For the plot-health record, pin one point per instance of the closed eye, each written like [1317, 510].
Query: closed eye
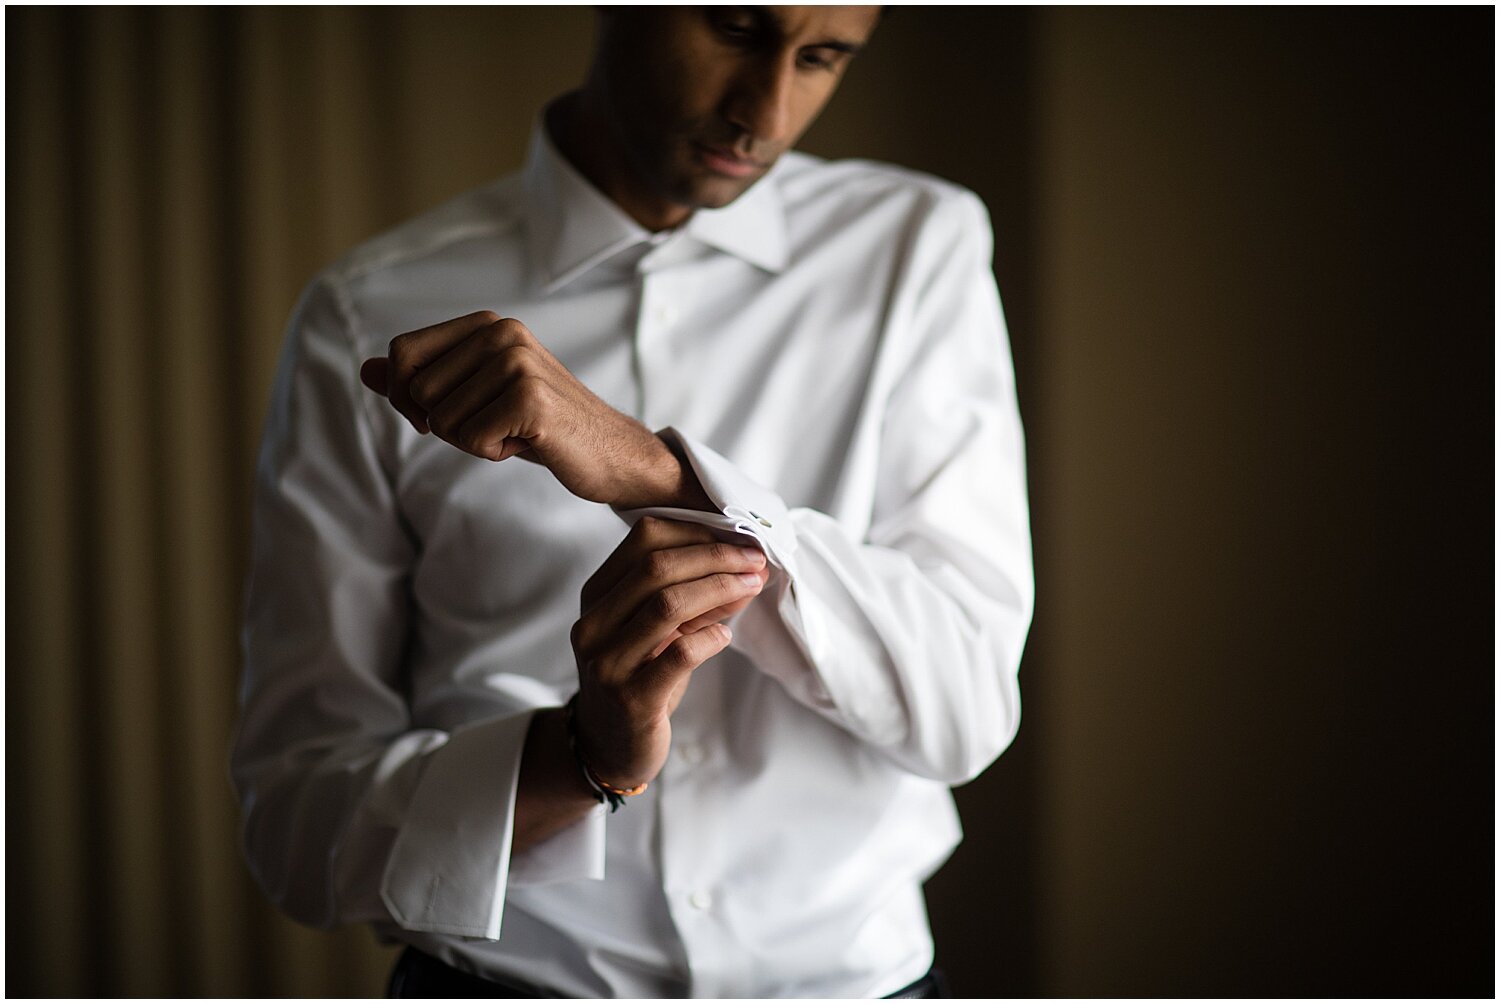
[735, 24]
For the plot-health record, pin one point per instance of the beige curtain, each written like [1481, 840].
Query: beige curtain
[174, 176]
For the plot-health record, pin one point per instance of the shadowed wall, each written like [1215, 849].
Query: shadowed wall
[1247, 258]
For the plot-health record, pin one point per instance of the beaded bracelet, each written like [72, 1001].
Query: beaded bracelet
[603, 791]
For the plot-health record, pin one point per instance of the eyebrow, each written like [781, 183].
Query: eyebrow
[771, 19]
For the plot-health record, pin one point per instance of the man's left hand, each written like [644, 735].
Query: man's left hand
[486, 385]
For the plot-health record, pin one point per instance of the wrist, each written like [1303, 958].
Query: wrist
[666, 479]
[602, 790]
[681, 482]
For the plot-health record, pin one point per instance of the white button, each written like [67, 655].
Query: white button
[664, 314]
[690, 753]
[700, 900]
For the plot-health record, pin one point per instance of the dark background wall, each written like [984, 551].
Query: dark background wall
[1248, 261]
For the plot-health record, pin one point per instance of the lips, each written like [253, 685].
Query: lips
[725, 162]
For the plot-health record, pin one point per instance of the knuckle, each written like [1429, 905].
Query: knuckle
[678, 654]
[667, 604]
[692, 648]
[448, 425]
[531, 392]
[473, 441]
[650, 528]
[399, 350]
[731, 585]
[657, 566]
[725, 555]
[486, 317]
[518, 332]
[515, 359]
[421, 390]
[495, 336]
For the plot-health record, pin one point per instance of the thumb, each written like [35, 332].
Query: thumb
[374, 374]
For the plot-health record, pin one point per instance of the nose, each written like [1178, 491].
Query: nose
[760, 101]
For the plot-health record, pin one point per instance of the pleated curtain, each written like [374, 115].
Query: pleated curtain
[173, 177]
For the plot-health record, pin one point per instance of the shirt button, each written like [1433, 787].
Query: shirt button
[664, 314]
[691, 754]
[700, 900]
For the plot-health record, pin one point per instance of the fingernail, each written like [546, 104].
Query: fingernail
[754, 555]
[750, 580]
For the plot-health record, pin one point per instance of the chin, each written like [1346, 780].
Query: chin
[715, 192]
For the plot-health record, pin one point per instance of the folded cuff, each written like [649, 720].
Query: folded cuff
[451, 862]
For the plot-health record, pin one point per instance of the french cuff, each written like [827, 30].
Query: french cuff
[451, 863]
[774, 635]
[748, 507]
[748, 513]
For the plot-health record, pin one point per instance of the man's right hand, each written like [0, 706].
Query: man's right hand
[651, 615]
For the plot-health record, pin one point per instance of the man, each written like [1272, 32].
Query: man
[460, 662]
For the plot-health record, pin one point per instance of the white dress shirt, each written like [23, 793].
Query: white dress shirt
[831, 352]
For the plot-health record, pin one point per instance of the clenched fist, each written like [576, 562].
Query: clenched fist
[486, 385]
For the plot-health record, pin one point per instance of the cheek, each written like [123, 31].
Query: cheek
[664, 101]
[810, 104]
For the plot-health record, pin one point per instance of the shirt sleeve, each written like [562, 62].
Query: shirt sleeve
[908, 634]
[352, 813]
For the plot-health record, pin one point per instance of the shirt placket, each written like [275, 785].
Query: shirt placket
[653, 346]
[694, 799]
[692, 879]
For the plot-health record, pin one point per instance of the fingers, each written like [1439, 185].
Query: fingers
[665, 677]
[502, 351]
[648, 534]
[728, 610]
[650, 618]
[622, 728]
[410, 352]
[476, 401]
[658, 571]
[504, 426]
[415, 351]
[616, 653]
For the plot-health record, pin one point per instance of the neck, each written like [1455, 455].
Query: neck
[580, 129]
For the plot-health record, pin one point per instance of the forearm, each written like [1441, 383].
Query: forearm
[539, 411]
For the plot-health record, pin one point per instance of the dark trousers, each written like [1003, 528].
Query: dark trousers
[418, 974]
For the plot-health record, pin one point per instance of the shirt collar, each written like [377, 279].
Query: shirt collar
[575, 227]
[752, 227]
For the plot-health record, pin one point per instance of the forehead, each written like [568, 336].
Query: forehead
[807, 25]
